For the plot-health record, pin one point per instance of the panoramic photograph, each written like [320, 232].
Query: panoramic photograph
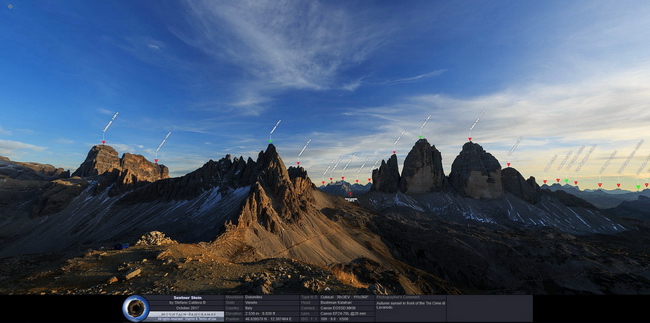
[359, 161]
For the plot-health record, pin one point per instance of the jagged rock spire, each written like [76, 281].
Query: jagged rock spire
[386, 178]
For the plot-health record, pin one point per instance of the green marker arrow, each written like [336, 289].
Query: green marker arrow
[270, 141]
[638, 187]
[566, 180]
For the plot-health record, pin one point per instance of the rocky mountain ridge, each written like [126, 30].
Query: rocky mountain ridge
[30, 171]
[418, 232]
[247, 211]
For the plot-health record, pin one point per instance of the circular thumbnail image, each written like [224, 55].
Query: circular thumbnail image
[135, 308]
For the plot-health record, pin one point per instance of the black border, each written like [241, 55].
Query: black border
[108, 308]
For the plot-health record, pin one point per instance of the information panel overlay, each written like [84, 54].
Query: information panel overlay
[328, 308]
[190, 308]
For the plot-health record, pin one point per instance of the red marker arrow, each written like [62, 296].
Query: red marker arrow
[103, 142]
[330, 178]
[350, 193]
[646, 184]
[342, 178]
[323, 182]
[369, 181]
[508, 164]
[394, 152]
[575, 182]
[298, 163]
[600, 184]
[618, 184]
[470, 138]
[357, 181]
[557, 179]
[156, 160]
[544, 181]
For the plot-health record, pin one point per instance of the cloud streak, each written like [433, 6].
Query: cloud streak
[412, 79]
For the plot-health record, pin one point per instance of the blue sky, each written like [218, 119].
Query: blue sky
[349, 75]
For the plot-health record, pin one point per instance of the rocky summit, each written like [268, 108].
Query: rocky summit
[422, 172]
[476, 173]
[252, 225]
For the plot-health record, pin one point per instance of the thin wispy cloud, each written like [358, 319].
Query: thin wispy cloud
[283, 44]
[412, 79]
[355, 84]
[352, 85]
[5, 132]
[64, 141]
[106, 111]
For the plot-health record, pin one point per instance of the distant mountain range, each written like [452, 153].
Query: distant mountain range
[603, 199]
[343, 188]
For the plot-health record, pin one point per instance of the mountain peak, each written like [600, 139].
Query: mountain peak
[422, 171]
[476, 173]
[127, 172]
[100, 159]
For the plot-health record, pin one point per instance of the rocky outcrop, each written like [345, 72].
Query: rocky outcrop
[135, 171]
[422, 171]
[123, 174]
[154, 238]
[386, 178]
[476, 173]
[514, 183]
